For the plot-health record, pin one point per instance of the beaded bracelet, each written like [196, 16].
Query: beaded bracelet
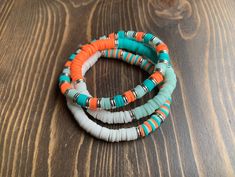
[137, 113]
[123, 134]
[116, 117]
[119, 100]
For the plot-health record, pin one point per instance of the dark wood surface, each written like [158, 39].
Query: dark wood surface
[38, 135]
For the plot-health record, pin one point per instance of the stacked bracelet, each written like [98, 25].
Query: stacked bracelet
[72, 84]
[124, 134]
[122, 99]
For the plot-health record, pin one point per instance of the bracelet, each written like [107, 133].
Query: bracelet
[119, 100]
[137, 113]
[111, 117]
[159, 105]
[124, 134]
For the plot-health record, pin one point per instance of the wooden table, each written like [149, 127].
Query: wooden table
[38, 134]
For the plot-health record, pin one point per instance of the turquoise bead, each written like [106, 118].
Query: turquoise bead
[136, 47]
[136, 59]
[148, 37]
[164, 56]
[157, 119]
[164, 111]
[149, 84]
[131, 58]
[63, 78]
[118, 50]
[152, 124]
[72, 56]
[121, 34]
[146, 131]
[119, 101]
[81, 100]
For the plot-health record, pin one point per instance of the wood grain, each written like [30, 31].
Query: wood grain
[38, 135]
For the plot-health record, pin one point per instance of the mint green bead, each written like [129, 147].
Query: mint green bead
[149, 109]
[156, 41]
[66, 71]
[153, 104]
[103, 37]
[159, 100]
[72, 93]
[162, 66]
[130, 34]
[105, 103]
[139, 91]
[138, 112]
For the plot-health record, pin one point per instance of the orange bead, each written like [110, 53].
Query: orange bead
[157, 76]
[68, 63]
[93, 103]
[161, 47]
[139, 36]
[65, 86]
[130, 96]
[112, 36]
[148, 125]
[141, 131]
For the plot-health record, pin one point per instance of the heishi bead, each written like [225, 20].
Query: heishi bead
[81, 100]
[149, 84]
[156, 41]
[71, 93]
[64, 78]
[72, 56]
[140, 92]
[164, 56]
[119, 101]
[66, 71]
